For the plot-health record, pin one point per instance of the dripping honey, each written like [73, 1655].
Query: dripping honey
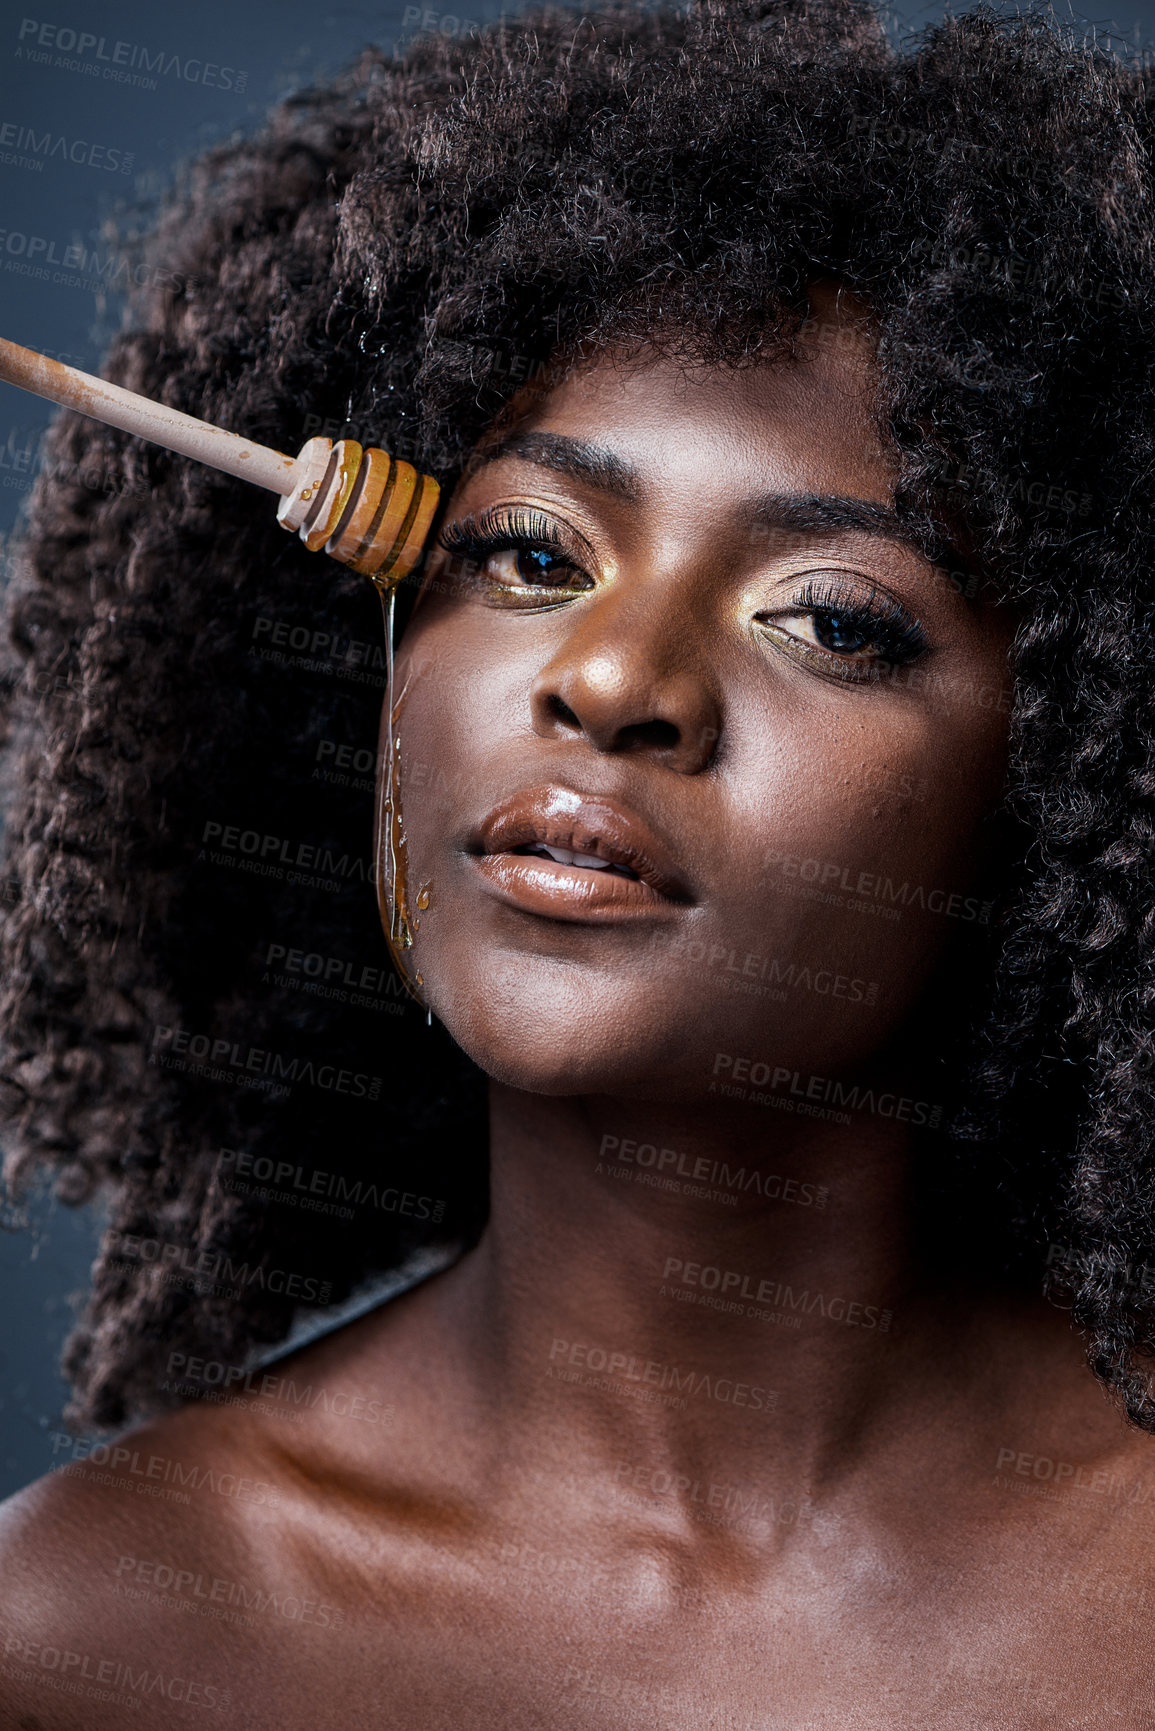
[393, 874]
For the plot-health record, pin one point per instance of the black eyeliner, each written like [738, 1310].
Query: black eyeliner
[877, 614]
[502, 529]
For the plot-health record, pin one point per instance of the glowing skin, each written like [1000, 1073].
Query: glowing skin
[684, 685]
[620, 1487]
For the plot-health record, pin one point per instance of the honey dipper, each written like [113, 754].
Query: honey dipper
[364, 507]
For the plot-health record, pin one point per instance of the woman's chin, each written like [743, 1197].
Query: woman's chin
[559, 1072]
[610, 1034]
[543, 1058]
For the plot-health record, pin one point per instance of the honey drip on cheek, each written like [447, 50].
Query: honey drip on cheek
[392, 861]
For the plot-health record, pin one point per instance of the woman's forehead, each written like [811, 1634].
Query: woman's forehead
[806, 419]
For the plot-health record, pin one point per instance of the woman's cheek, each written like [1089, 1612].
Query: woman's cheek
[441, 793]
[849, 879]
[837, 870]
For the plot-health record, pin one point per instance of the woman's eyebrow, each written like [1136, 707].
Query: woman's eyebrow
[812, 513]
[804, 513]
[577, 457]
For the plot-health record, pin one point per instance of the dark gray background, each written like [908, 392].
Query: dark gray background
[281, 46]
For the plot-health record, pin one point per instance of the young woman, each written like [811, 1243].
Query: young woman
[770, 734]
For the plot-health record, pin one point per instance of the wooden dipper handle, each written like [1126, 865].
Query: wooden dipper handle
[364, 508]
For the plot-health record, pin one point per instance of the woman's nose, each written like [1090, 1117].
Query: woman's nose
[628, 679]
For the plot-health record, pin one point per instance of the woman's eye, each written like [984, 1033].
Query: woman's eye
[538, 567]
[514, 558]
[852, 642]
[841, 633]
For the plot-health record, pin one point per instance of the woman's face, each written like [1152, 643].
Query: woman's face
[674, 633]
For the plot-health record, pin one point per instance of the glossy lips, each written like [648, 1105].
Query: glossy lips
[555, 852]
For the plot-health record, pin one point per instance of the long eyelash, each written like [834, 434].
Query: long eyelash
[897, 633]
[497, 531]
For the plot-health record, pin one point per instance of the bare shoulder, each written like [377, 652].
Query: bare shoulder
[226, 1479]
[224, 1556]
[125, 1571]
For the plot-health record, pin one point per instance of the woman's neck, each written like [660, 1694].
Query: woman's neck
[672, 1284]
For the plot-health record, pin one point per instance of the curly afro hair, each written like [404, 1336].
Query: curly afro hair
[197, 1013]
